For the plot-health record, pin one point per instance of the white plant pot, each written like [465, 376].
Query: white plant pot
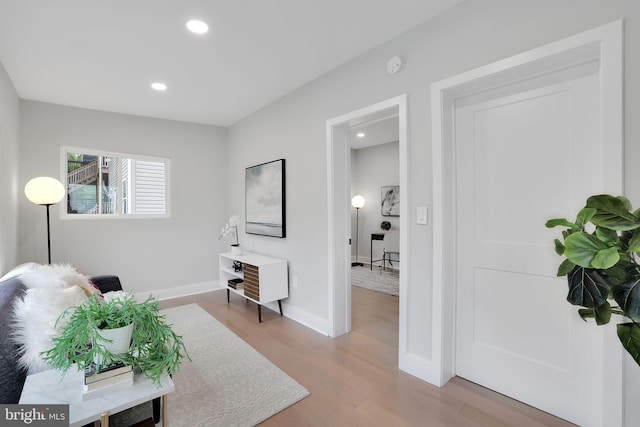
[236, 250]
[120, 340]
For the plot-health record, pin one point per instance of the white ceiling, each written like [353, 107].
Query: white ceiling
[104, 54]
[377, 130]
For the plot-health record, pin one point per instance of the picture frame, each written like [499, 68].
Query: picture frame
[390, 200]
[265, 212]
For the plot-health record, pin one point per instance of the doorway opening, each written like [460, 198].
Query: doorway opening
[375, 227]
[339, 198]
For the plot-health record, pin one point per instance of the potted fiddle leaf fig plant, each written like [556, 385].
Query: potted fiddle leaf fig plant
[151, 346]
[602, 264]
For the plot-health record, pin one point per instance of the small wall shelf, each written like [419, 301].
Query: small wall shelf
[262, 279]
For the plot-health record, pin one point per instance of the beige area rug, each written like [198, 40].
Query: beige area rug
[227, 383]
[386, 281]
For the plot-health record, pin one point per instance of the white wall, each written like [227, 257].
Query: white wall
[473, 34]
[373, 168]
[152, 254]
[147, 254]
[9, 120]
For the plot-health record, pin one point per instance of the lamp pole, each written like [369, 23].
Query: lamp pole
[357, 263]
[357, 202]
[48, 234]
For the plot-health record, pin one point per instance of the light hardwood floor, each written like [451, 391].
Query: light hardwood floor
[354, 379]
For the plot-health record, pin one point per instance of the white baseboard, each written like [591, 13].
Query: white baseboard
[180, 291]
[305, 318]
[422, 368]
[300, 316]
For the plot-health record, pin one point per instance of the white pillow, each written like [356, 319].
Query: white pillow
[50, 290]
[35, 316]
[57, 276]
[18, 270]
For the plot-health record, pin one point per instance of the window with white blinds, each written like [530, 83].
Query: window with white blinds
[103, 184]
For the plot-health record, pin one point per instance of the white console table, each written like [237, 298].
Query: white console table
[265, 279]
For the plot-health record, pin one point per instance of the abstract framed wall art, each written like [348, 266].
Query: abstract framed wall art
[390, 200]
[265, 199]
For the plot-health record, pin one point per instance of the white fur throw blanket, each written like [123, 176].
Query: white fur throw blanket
[51, 290]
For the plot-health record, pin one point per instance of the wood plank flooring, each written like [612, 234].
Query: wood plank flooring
[354, 379]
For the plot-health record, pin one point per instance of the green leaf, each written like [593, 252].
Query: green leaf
[603, 313]
[581, 248]
[606, 258]
[629, 334]
[585, 215]
[565, 267]
[634, 242]
[588, 288]
[627, 295]
[612, 212]
[560, 221]
[587, 313]
[617, 274]
[559, 247]
[607, 236]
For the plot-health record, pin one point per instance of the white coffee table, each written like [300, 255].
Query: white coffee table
[48, 388]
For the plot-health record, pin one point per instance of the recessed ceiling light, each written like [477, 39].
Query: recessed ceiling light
[159, 86]
[360, 135]
[197, 26]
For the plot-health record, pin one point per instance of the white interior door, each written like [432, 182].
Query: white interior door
[525, 153]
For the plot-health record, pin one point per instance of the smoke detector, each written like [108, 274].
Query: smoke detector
[394, 65]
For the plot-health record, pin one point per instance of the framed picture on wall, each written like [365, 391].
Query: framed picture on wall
[390, 200]
[265, 199]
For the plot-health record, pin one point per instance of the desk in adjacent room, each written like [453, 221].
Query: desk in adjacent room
[374, 236]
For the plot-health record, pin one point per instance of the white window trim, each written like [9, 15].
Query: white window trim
[63, 178]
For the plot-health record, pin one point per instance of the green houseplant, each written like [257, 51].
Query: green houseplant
[155, 348]
[602, 250]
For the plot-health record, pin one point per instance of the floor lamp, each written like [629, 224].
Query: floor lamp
[45, 191]
[357, 202]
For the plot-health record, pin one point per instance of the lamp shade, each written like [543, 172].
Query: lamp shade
[44, 190]
[357, 201]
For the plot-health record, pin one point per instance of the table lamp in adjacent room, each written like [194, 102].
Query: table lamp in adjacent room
[46, 191]
[357, 202]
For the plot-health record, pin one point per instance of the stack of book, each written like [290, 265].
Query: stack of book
[236, 283]
[99, 380]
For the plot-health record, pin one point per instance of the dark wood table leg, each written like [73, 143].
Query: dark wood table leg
[280, 305]
[227, 294]
[156, 410]
[259, 313]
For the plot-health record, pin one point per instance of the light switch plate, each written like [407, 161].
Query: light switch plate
[421, 215]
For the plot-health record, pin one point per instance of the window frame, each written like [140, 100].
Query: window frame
[64, 150]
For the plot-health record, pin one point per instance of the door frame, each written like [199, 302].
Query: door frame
[603, 44]
[339, 216]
